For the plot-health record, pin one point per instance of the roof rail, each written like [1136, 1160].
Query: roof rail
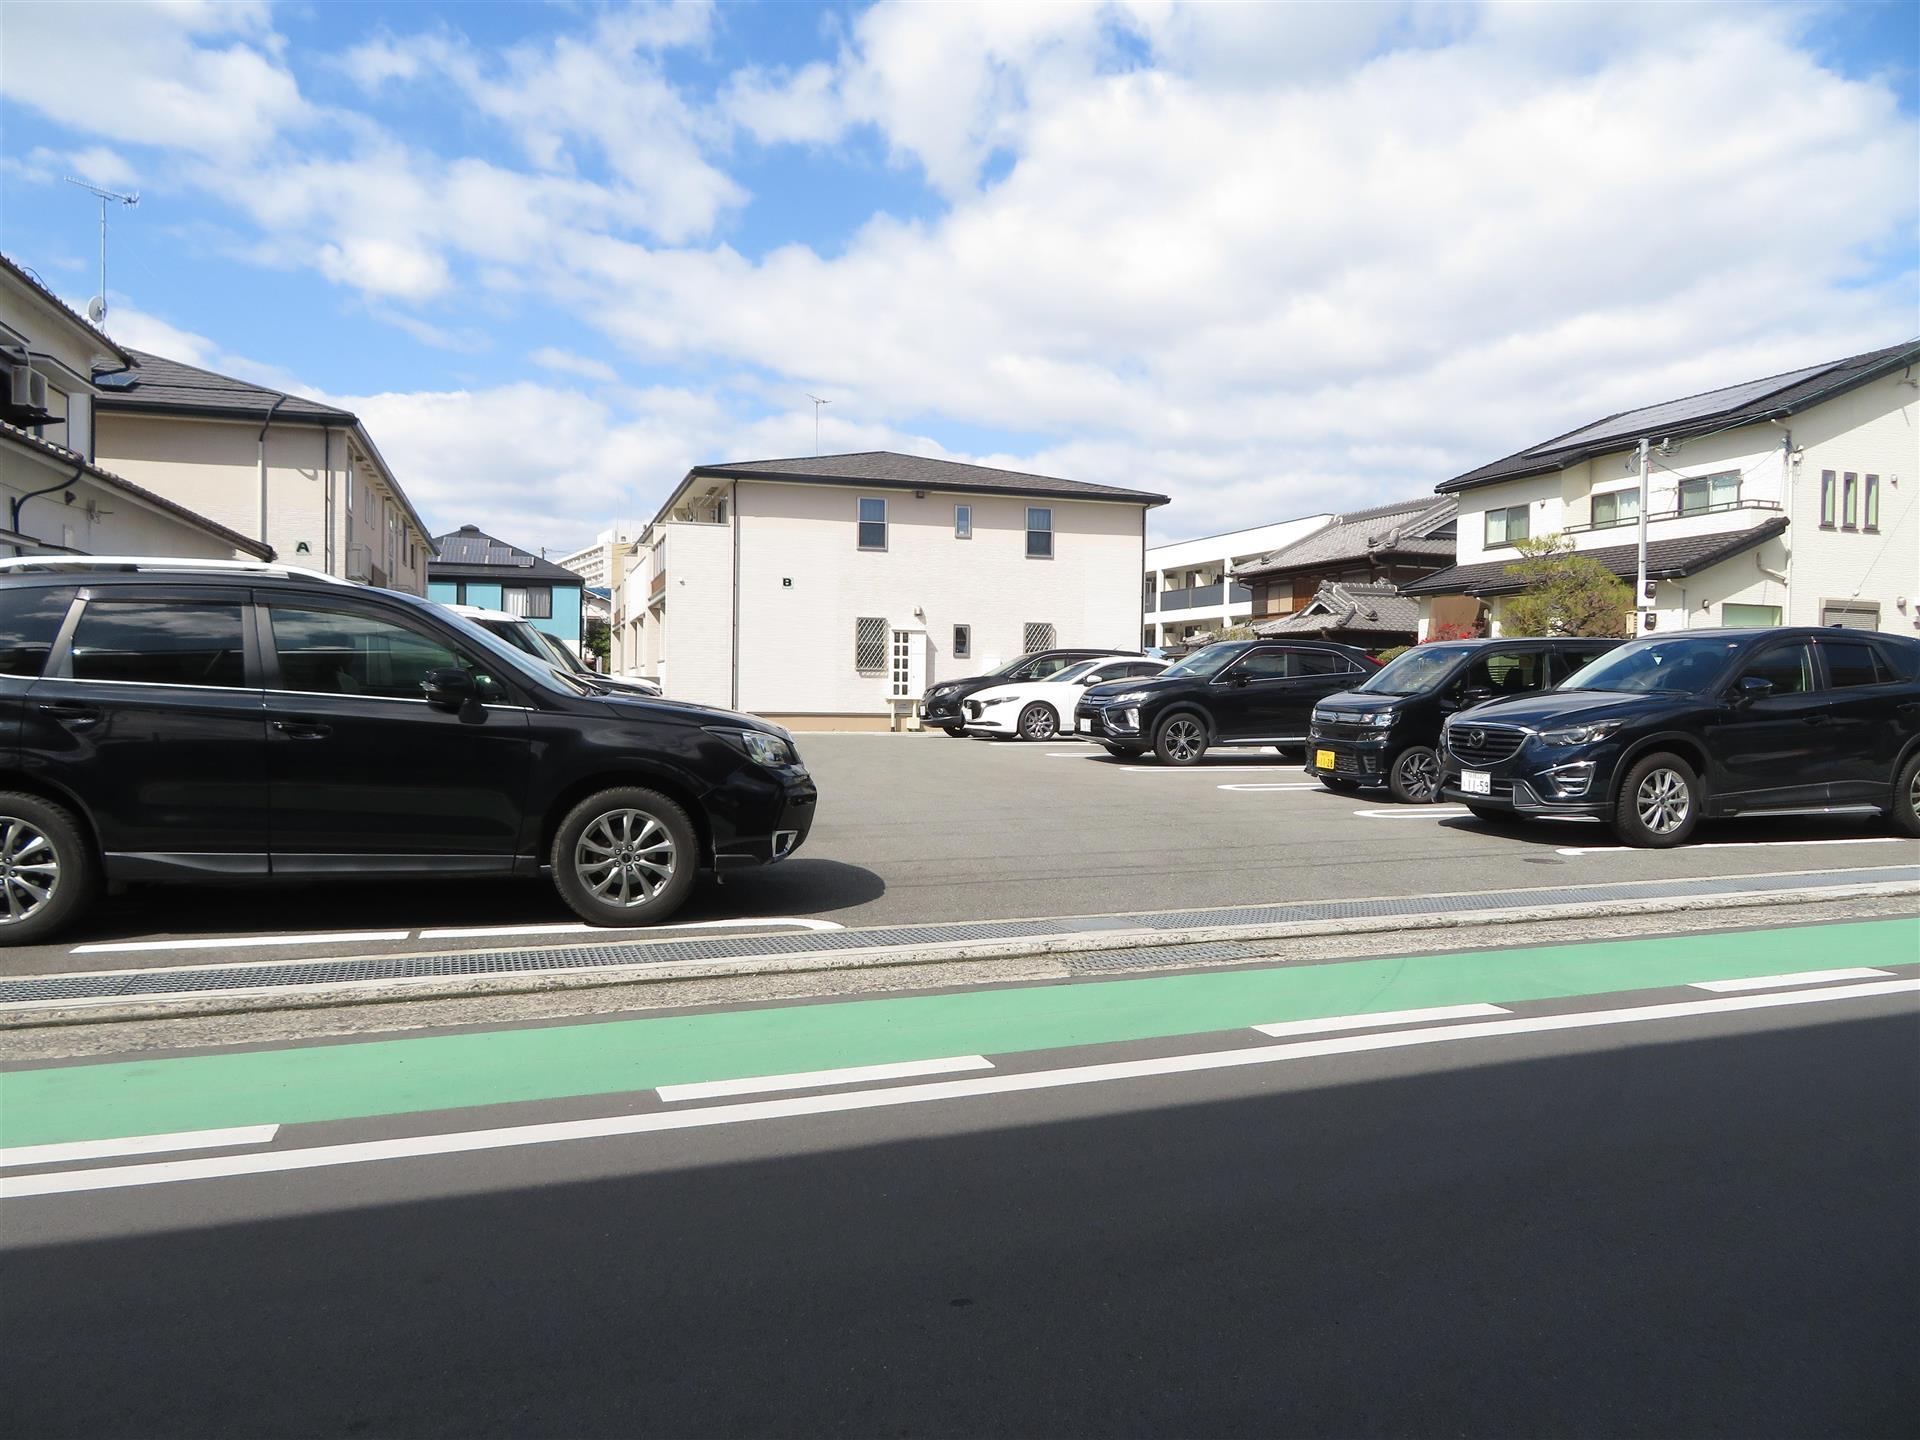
[79, 564]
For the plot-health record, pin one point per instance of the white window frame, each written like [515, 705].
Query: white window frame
[1680, 492]
[860, 522]
[1033, 530]
[963, 522]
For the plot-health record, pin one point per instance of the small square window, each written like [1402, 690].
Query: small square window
[873, 523]
[962, 642]
[1506, 526]
[963, 522]
[870, 644]
[1039, 532]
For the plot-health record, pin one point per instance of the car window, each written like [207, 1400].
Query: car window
[1505, 672]
[1109, 672]
[1044, 669]
[150, 642]
[342, 652]
[1789, 667]
[30, 617]
[1265, 665]
[1319, 662]
[1852, 662]
[1151, 667]
[1565, 662]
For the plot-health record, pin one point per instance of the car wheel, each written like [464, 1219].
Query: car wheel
[1339, 786]
[1659, 804]
[1038, 722]
[958, 732]
[1123, 752]
[625, 857]
[1414, 776]
[48, 870]
[1180, 740]
[1906, 796]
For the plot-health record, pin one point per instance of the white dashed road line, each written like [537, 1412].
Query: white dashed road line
[239, 942]
[820, 1079]
[1799, 977]
[71, 1150]
[1417, 812]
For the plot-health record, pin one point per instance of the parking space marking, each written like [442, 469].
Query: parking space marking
[820, 1079]
[1748, 844]
[1418, 812]
[238, 942]
[472, 932]
[1382, 1018]
[70, 1150]
[1286, 785]
[1799, 977]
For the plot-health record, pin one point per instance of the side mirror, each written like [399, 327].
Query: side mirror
[1751, 688]
[449, 688]
[1238, 680]
[1475, 696]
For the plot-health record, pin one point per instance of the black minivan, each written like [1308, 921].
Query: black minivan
[1387, 731]
[174, 720]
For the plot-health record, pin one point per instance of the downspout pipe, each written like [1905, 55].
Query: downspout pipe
[1793, 536]
[278, 401]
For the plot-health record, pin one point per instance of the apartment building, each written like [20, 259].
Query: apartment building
[1190, 588]
[830, 591]
[1785, 500]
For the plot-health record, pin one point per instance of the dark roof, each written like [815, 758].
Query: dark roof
[888, 470]
[33, 282]
[28, 440]
[469, 553]
[1350, 609]
[159, 384]
[1702, 414]
[1666, 560]
[1416, 529]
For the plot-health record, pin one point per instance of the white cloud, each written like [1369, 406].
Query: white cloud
[565, 362]
[104, 167]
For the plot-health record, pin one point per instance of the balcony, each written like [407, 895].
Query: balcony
[1654, 517]
[1195, 597]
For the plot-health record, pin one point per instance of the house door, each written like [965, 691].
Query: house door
[907, 664]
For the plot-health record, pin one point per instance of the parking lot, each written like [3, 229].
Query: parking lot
[917, 829]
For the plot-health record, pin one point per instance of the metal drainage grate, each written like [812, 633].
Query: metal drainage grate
[1153, 955]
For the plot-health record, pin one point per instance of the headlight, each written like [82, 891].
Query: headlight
[999, 700]
[1381, 719]
[1321, 717]
[760, 747]
[1580, 734]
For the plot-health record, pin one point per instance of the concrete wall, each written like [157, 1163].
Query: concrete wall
[695, 655]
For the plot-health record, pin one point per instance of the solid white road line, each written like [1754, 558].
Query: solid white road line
[136, 1145]
[1799, 977]
[469, 932]
[818, 1079]
[1416, 812]
[794, 1106]
[1288, 785]
[1750, 845]
[1384, 1017]
[239, 942]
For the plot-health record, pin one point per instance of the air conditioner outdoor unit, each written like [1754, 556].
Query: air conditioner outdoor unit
[26, 388]
[360, 563]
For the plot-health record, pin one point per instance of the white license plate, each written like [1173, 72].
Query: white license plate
[1476, 782]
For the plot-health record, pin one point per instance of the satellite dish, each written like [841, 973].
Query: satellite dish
[97, 309]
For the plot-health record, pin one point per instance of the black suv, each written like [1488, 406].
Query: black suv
[1657, 734]
[940, 707]
[1237, 692]
[174, 721]
[1387, 731]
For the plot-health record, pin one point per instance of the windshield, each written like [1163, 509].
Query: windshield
[557, 652]
[1203, 663]
[532, 666]
[1417, 671]
[1670, 667]
[1015, 667]
[1072, 672]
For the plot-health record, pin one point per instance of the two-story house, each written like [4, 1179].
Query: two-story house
[1191, 587]
[830, 591]
[473, 568]
[1785, 500]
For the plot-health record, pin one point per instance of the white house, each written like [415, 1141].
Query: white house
[1190, 589]
[830, 591]
[1787, 500]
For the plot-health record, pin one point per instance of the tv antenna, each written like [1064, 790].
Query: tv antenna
[817, 403]
[97, 307]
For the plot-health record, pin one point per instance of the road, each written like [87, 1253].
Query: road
[918, 829]
[1662, 1186]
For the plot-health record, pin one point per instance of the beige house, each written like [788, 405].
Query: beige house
[830, 591]
[1782, 501]
[58, 499]
[303, 477]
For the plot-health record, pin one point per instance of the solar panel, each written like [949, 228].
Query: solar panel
[1651, 420]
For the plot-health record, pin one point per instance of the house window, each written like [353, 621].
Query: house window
[1038, 636]
[1827, 480]
[873, 523]
[870, 645]
[1039, 533]
[963, 522]
[349, 492]
[1853, 614]
[531, 602]
[962, 642]
[1746, 616]
[1616, 507]
[1849, 501]
[1709, 492]
[1871, 520]
[1506, 526]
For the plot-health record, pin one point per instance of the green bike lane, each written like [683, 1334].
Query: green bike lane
[331, 1081]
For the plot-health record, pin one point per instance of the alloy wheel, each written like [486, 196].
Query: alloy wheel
[625, 857]
[1038, 723]
[29, 869]
[1913, 792]
[1420, 774]
[1663, 801]
[1183, 739]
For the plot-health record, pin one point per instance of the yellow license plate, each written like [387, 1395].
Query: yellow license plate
[1323, 760]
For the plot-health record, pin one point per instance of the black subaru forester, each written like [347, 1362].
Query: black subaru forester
[171, 720]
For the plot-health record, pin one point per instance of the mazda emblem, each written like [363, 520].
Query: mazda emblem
[1476, 737]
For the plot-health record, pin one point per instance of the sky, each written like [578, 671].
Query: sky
[1267, 260]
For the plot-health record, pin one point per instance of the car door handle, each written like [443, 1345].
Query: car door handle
[1818, 719]
[75, 715]
[303, 729]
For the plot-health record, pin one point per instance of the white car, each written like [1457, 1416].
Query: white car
[523, 635]
[1041, 709]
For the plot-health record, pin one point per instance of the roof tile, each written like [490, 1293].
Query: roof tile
[1666, 560]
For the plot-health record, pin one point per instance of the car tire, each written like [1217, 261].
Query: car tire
[1659, 803]
[593, 869]
[1414, 776]
[1180, 739]
[1905, 810]
[958, 732]
[36, 836]
[1124, 752]
[1038, 722]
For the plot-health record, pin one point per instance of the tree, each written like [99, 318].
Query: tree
[1566, 593]
[599, 638]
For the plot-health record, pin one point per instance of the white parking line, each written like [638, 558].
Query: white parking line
[1799, 977]
[1384, 1017]
[1747, 845]
[137, 1145]
[1276, 768]
[239, 942]
[470, 932]
[820, 1079]
[1416, 812]
[1288, 785]
[412, 1147]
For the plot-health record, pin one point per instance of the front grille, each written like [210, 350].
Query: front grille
[1338, 730]
[1481, 745]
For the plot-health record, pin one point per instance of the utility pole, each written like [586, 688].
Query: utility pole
[97, 311]
[817, 403]
[1642, 602]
